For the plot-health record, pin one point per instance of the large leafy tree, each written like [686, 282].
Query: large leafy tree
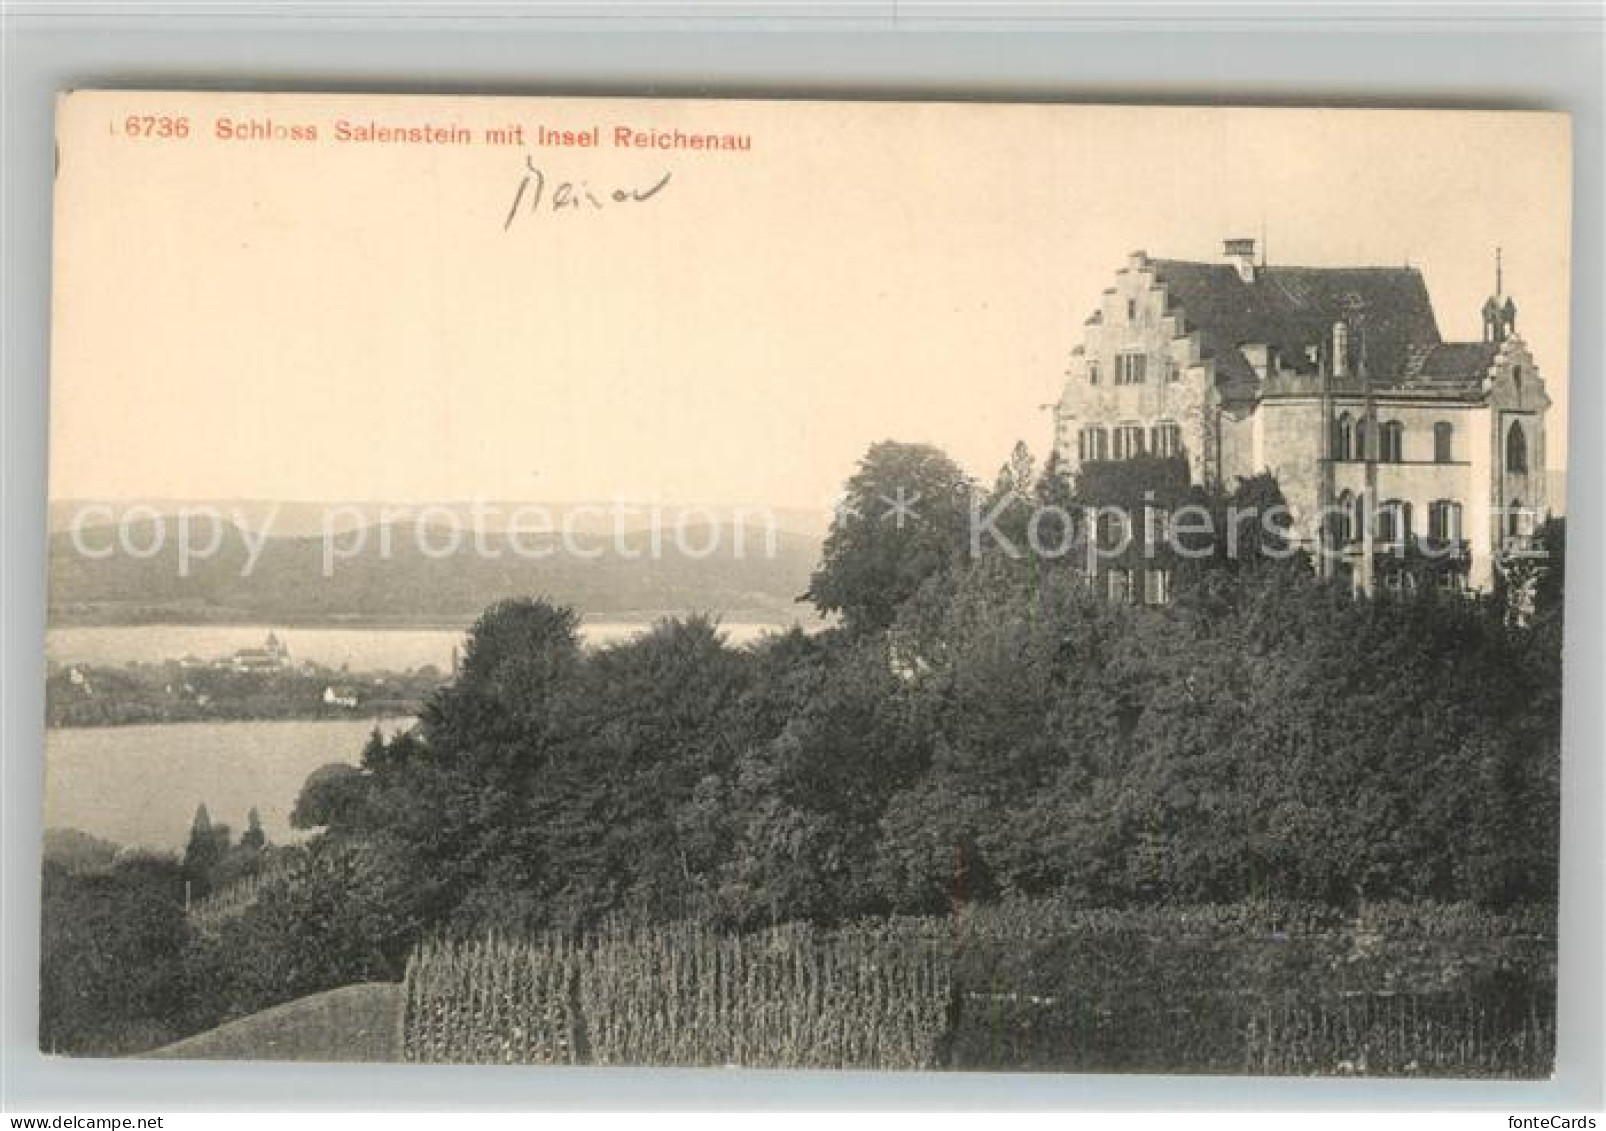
[660, 719]
[333, 796]
[905, 516]
[339, 912]
[1005, 668]
[807, 799]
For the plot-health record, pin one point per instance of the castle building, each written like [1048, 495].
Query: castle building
[273, 656]
[1384, 437]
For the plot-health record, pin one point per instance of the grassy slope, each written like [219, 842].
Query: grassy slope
[353, 1023]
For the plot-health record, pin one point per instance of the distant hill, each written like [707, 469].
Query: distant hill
[297, 519]
[397, 576]
[78, 851]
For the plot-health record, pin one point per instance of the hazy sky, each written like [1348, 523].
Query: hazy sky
[317, 320]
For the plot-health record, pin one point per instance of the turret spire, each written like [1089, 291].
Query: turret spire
[1499, 317]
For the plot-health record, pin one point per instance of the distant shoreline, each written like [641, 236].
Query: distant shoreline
[398, 721]
[57, 619]
[154, 672]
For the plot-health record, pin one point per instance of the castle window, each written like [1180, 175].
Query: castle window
[1092, 444]
[1166, 440]
[1131, 310]
[1516, 378]
[1516, 448]
[1338, 522]
[1158, 522]
[1119, 585]
[1130, 368]
[1443, 442]
[1111, 529]
[1363, 440]
[1392, 436]
[1444, 521]
[1093, 372]
[1156, 586]
[1129, 441]
[1343, 430]
[1394, 523]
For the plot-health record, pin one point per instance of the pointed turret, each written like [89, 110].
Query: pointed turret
[1499, 311]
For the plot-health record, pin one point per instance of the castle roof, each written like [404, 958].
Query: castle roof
[1457, 363]
[1293, 309]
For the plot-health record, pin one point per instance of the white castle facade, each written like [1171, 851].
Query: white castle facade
[1381, 434]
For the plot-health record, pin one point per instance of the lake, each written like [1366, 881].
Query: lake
[362, 649]
[139, 785]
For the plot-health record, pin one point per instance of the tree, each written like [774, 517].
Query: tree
[806, 800]
[208, 844]
[1008, 510]
[1018, 475]
[253, 838]
[201, 827]
[662, 711]
[332, 797]
[341, 912]
[905, 516]
[1552, 582]
[1534, 587]
[1258, 510]
[519, 665]
[1007, 684]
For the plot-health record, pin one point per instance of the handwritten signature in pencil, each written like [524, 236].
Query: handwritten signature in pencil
[537, 194]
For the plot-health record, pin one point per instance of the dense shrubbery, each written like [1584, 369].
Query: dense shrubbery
[127, 966]
[1265, 737]
[1253, 987]
[1258, 986]
[113, 976]
[1001, 729]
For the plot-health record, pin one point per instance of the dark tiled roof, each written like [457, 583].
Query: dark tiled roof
[1450, 362]
[1294, 308]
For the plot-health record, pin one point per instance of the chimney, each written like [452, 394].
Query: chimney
[1240, 253]
[1340, 350]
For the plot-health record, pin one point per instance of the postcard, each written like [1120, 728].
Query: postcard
[842, 585]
